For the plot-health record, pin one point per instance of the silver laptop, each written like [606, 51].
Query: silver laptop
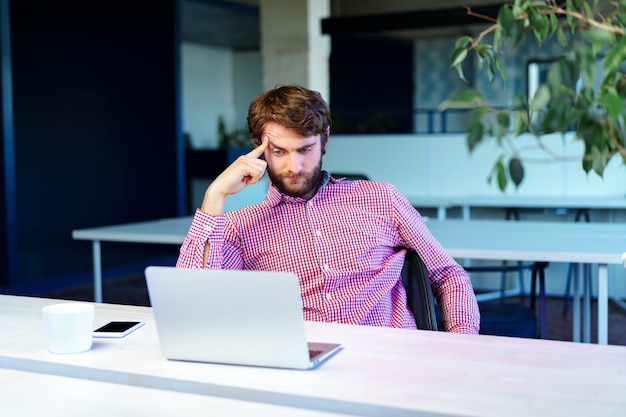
[233, 317]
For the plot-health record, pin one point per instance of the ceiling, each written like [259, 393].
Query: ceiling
[222, 23]
[235, 23]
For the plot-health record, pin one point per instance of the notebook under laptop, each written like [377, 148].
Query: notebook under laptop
[234, 317]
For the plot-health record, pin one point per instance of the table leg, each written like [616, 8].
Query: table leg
[603, 304]
[586, 304]
[97, 271]
[441, 213]
[465, 210]
[576, 304]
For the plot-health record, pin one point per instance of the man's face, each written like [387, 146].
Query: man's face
[294, 163]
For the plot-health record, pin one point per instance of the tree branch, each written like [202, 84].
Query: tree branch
[579, 16]
[485, 32]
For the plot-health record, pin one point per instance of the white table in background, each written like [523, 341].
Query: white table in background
[380, 371]
[538, 202]
[564, 204]
[594, 243]
[441, 204]
[164, 231]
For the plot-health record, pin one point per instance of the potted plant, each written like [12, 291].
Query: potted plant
[233, 139]
[578, 94]
[235, 143]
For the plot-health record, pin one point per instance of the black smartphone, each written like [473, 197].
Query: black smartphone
[117, 328]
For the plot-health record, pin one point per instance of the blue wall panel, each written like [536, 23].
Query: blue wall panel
[94, 89]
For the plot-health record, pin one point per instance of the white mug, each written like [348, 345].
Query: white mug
[68, 327]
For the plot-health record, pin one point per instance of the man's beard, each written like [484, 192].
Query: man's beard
[299, 189]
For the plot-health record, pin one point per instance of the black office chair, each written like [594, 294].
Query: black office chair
[498, 318]
[419, 294]
[349, 175]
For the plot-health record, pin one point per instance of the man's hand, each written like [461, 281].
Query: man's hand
[245, 170]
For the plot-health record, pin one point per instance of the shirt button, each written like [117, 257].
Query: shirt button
[318, 233]
[329, 296]
[325, 267]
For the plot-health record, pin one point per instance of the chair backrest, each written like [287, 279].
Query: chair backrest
[419, 294]
[349, 175]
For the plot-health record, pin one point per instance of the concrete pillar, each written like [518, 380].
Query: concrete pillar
[293, 49]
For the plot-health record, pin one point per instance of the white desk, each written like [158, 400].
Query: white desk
[380, 371]
[30, 394]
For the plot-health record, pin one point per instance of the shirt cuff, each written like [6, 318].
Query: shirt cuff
[205, 226]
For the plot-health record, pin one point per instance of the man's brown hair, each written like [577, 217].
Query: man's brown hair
[292, 107]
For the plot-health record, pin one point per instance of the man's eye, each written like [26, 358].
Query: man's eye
[305, 150]
[277, 152]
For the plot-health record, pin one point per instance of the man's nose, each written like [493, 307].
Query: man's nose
[295, 163]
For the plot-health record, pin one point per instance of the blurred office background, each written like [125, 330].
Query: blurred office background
[107, 107]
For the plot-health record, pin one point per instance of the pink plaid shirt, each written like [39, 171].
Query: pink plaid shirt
[343, 245]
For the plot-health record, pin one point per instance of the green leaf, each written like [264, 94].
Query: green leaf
[587, 163]
[491, 71]
[588, 129]
[615, 57]
[554, 23]
[599, 160]
[501, 174]
[563, 111]
[517, 33]
[497, 39]
[516, 171]
[539, 23]
[506, 20]
[560, 35]
[588, 69]
[459, 70]
[599, 36]
[621, 17]
[555, 77]
[462, 42]
[541, 98]
[458, 56]
[518, 11]
[521, 122]
[475, 135]
[504, 120]
[499, 68]
[588, 11]
[612, 102]
[495, 128]
[550, 121]
[570, 70]
[571, 20]
[483, 50]
[520, 102]
[520, 114]
[463, 99]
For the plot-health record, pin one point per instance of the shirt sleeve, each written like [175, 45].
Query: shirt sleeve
[205, 229]
[451, 284]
